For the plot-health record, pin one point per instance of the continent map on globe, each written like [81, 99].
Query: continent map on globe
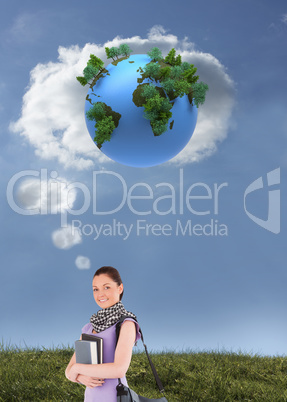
[141, 110]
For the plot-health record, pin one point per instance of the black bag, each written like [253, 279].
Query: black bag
[124, 393]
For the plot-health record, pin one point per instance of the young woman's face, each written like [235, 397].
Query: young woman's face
[106, 291]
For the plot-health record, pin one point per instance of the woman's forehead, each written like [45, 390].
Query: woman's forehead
[102, 279]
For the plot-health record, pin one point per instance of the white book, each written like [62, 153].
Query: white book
[100, 344]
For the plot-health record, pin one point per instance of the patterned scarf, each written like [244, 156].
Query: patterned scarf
[107, 317]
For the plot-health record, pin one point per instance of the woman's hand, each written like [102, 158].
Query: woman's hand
[90, 382]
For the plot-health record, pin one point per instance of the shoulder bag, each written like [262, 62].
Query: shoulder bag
[126, 394]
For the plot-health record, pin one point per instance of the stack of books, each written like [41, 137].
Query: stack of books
[89, 350]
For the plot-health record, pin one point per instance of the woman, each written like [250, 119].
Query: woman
[101, 379]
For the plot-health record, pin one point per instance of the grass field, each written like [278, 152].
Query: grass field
[38, 375]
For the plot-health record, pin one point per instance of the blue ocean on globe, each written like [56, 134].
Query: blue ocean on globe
[133, 142]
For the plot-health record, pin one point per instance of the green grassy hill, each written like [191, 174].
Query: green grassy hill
[38, 375]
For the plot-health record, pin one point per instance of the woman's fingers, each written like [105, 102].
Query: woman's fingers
[91, 382]
[95, 383]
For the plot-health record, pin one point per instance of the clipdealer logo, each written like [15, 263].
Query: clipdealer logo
[194, 201]
[272, 223]
[200, 199]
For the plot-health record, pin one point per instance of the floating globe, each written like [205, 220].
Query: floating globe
[133, 142]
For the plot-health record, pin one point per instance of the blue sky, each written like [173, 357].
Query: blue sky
[197, 292]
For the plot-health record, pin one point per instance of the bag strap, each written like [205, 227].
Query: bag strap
[157, 379]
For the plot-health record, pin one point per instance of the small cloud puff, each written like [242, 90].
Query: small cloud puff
[83, 262]
[284, 18]
[53, 120]
[66, 238]
[26, 28]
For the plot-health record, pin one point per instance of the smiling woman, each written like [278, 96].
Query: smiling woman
[101, 379]
[107, 287]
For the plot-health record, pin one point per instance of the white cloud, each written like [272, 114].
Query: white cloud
[66, 238]
[52, 195]
[83, 262]
[284, 18]
[53, 119]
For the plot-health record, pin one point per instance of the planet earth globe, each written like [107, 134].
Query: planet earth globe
[133, 142]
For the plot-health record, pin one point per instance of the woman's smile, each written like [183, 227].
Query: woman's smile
[103, 300]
